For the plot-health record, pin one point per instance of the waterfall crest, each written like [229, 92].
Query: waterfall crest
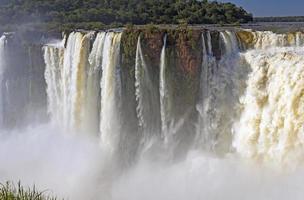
[267, 39]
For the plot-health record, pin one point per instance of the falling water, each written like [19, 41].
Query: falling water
[271, 125]
[248, 103]
[110, 92]
[230, 42]
[163, 91]
[203, 108]
[72, 76]
[73, 72]
[92, 86]
[148, 100]
[2, 68]
[53, 57]
[138, 74]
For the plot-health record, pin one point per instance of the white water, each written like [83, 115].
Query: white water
[163, 92]
[66, 77]
[138, 75]
[221, 84]
[73, 75]
[230, 42]
[92, 85]
[53, 58]
[204, 134]
[110, 91]
[2, 68]
[250, 107]
[147, 100]
[273, 106]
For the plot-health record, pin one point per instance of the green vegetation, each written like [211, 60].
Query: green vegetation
[9, 191]
[98, 14]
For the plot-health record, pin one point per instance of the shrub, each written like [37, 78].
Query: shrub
[9, 191]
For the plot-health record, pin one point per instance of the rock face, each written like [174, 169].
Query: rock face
[182, 76]
[130, 137]
[215, 44]
[181, 64]
[152, 45]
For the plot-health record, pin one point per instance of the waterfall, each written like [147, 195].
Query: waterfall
[53, 58]
[163, 91]
[110, 91]
[271, 124]
[242, 104]
[78, 77]
[299, 39]
[138, 75]
[204, 134]
[2, 68]
[92, 86]
[148, 99]
[221, 83]
[74, 78]
[73, 75]
[209, 43]
[154, 107]
[230, 42]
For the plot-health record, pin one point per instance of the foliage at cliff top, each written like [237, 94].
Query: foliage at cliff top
[96, 14]
[8, 191]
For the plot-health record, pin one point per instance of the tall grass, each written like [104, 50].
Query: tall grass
[9, 191]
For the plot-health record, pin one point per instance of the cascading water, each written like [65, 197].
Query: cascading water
[138, 86]
[110, 92]
[230, 42]
[2, 66]
[78, 77]
[222, 82]
[271, 124]
[92, 86]
[163, 92]
[147, 96]
[73, 75]
[53, 57]
[204, 125]
[74, 79]
[235, 92]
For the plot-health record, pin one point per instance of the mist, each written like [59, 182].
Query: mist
[73, 166]
[64, 164]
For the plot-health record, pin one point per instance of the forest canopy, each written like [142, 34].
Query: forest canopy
[95, 14]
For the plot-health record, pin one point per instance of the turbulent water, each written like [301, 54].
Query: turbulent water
[175, 122]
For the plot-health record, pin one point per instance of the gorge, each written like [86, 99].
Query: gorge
[193, 99]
